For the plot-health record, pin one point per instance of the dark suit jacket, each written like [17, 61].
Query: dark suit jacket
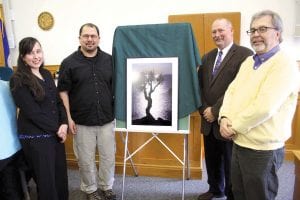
[213, 88]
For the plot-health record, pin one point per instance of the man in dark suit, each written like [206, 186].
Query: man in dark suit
[219, 67]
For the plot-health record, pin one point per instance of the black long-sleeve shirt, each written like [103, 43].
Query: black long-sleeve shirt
[39, 117]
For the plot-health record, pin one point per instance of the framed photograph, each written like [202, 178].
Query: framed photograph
[152, 94]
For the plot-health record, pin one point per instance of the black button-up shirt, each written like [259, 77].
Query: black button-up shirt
[89, 82]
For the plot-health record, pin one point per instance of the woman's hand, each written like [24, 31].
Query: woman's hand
[62, 132]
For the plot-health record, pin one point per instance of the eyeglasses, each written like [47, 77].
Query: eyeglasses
[261, 29]
[86, 36]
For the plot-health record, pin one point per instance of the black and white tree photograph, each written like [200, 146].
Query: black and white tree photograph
[151, 92]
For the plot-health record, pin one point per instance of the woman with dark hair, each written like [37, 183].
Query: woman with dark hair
[42, 121]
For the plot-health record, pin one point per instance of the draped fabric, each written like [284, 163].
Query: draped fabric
[153, 41]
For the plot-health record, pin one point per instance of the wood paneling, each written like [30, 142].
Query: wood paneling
[154, 159]
[234, 17]
[197, 22]
[52, 68]
[201, 24]
[294, 142]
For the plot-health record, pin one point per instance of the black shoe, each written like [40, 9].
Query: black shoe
[94, 196]
[205, 196]
[109, 195]
[222, 197]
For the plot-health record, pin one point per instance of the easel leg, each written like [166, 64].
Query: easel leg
[124, 163]
[187, 156]
[184, 164]
[128, 155]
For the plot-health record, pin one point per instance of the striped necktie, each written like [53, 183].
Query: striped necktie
[218, 63]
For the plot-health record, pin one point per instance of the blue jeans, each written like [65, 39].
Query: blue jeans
[254, 173]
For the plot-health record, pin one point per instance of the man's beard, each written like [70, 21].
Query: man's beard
[259, 48]
[90, 50]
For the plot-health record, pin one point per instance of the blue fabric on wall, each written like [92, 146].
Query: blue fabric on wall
[6, 70]
[153, 41]
[5, 73]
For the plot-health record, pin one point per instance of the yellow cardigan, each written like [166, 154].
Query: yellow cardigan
[261, 103]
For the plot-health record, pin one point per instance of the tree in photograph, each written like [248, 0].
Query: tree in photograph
[148, 82]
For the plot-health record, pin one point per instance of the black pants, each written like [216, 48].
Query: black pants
[254, 173]
[218, 164]
[10, 184]
[47, 159]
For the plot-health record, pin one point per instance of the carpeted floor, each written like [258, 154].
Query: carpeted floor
[153, 188]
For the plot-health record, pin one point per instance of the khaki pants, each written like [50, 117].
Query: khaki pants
[85, 143]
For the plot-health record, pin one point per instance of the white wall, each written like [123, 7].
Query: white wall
[69, 15]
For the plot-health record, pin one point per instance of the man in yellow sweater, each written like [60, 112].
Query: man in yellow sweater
[258, 109]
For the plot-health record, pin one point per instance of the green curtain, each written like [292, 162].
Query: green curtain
[153, 41]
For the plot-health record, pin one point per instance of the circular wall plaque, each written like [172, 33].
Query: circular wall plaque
[45, 20]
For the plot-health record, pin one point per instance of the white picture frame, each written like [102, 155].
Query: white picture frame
[152, 94]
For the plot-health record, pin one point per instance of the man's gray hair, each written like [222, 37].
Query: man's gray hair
[275, 19]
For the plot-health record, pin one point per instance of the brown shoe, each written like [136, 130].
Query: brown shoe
[206, 196]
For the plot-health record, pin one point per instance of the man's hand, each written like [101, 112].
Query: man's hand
[226, 129]
[208, 115]
[72, 127]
